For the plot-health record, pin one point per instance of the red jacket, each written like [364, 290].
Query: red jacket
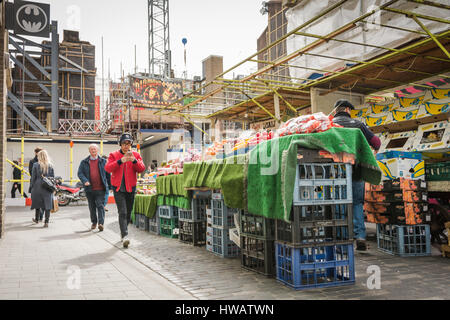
[131, 169]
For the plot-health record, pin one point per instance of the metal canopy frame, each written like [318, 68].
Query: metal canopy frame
[410, 63]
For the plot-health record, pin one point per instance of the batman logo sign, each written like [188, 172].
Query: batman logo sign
[31, 18]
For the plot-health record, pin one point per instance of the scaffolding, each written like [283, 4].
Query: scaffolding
[158, 39]
[272, 91]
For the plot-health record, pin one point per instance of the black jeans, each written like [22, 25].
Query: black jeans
[17, 186]
[96, 203]
[124, 202]
[40, 212]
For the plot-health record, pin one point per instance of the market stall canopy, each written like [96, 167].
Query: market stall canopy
[356, 46]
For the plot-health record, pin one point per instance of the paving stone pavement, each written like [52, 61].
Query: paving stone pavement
[191, 272]
[68, 261]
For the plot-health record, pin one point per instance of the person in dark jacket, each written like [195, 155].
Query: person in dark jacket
[16, 185]
[41, 198]
[343, 109]
[124, 165]
[30, 169]
[93, 176]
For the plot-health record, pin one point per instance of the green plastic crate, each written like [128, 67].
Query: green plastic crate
[439, 171]
[166, 227]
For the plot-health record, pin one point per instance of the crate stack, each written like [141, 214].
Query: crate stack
[398, 201]
[257, 244]
[220, 219]
[315, 249]
[168, 221]
[192, 223]
[400, 209]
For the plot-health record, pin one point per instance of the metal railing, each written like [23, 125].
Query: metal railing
[84, 126]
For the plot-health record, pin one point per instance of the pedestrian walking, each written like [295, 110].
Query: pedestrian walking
[109, 184]
[93, 176]
[343, 109]
[17, 185]
[41, 198]
[30, 169]
[124, 165]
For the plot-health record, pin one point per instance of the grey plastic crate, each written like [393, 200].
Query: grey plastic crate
[153, 224]
[192, 232]
[136, 220]
[218, 242]
[143, 222]
[316, 224]
[323, 183]
[404, 241]
[221, 215]
[258, 255]
[168, 212]
[197, 213]
[257, 226]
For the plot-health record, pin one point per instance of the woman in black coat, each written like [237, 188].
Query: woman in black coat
[41, 198]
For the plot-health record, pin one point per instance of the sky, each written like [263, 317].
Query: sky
[227, 28]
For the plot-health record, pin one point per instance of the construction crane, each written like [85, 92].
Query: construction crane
[159, 55]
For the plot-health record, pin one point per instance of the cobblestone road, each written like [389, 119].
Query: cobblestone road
[198, 274]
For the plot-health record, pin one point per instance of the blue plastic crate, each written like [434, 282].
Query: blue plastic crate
[323, 183]
[221, 215]
[218, 242]
[404, 241]
[316, 266]
[168, 212]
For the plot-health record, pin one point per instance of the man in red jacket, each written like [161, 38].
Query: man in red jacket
[124, 165]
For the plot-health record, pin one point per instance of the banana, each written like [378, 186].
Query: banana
[419, 170]
[436, 108]
[408, 102]
[399, 115]
[375, 121]
[385, 170]
[379, 108]
[440, 93]
[358, 113]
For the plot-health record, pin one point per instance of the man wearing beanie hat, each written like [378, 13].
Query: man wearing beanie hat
[343, 118]
[124, 165]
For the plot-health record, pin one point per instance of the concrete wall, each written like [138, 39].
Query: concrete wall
[325, 103]
[58, 152]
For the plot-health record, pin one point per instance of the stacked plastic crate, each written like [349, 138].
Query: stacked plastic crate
[168, 221]
[192, 223]
[400, 209]
[220, 219]
[398, 201]
[257, 244]
[315, 249]
[153, 223]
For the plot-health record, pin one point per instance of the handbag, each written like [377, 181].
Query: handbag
[48, 184]
[55, 205]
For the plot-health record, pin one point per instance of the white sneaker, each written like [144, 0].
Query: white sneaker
[125, 242]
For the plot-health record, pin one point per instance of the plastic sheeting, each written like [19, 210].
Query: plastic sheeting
[364, 32]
